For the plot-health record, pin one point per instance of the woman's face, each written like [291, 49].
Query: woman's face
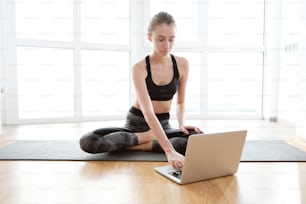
[163, 37]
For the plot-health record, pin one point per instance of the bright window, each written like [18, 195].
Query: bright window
[45, 82]
[235, 23]
[235, 83]
[105, 82]
[193, 89]
[73, 58]
[44, 19]
[105, 21]
[48, 72]
[187, 21]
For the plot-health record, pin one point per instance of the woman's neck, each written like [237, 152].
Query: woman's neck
[159, 59]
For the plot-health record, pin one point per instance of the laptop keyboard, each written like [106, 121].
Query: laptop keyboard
[176, 174]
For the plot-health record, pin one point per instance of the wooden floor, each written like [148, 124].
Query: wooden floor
[61, 182]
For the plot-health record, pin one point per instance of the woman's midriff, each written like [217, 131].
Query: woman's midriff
[158, 106]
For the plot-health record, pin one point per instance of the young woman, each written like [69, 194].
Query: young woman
[157, 78]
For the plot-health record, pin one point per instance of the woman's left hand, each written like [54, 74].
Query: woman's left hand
[186, 128]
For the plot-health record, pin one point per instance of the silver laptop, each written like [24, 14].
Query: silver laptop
[208, 156]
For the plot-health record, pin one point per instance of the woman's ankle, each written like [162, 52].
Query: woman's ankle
[145, 137]
[143, 147]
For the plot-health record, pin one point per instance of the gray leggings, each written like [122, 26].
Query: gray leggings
[114, 138]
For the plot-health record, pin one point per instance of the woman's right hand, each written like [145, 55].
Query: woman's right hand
[175, 159]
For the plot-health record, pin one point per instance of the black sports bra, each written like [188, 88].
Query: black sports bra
[162, 92]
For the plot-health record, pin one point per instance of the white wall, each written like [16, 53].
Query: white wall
[272, 62]
[292, 71]
[2, 22]
[3, 50]
[301, 80]
[287, 83]
[0, 117]
[285, 64]
[290, 36]
[301, 90]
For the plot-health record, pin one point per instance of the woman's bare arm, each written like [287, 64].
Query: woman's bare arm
[139, 75]
[181, 93]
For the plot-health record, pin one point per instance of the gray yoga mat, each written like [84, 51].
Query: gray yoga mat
[57, 150]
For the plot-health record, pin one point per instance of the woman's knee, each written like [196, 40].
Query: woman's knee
[86, 142]
[179, 144]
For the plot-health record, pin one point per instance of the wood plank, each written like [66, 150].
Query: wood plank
[136, 182]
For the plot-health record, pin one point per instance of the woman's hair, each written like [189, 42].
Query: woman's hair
[159, 18]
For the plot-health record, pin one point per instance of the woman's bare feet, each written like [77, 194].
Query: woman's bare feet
[143, 147]
[145, 137]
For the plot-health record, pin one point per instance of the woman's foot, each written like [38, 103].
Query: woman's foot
[143, 147]
[145, 137]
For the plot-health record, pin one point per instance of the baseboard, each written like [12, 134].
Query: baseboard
[285, 122]
[273, 119]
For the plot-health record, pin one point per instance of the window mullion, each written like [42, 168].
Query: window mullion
[11, 92]
[203, 36]
[77, 59]
[137, 36]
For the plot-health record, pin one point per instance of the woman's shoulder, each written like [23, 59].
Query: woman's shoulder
[140, 67]
[140, 64]
[182, 63]
[180, 60]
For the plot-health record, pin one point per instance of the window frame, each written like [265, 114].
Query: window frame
[136, 49]
[10, 116]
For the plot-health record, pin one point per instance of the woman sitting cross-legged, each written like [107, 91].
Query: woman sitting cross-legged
[157, 78]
